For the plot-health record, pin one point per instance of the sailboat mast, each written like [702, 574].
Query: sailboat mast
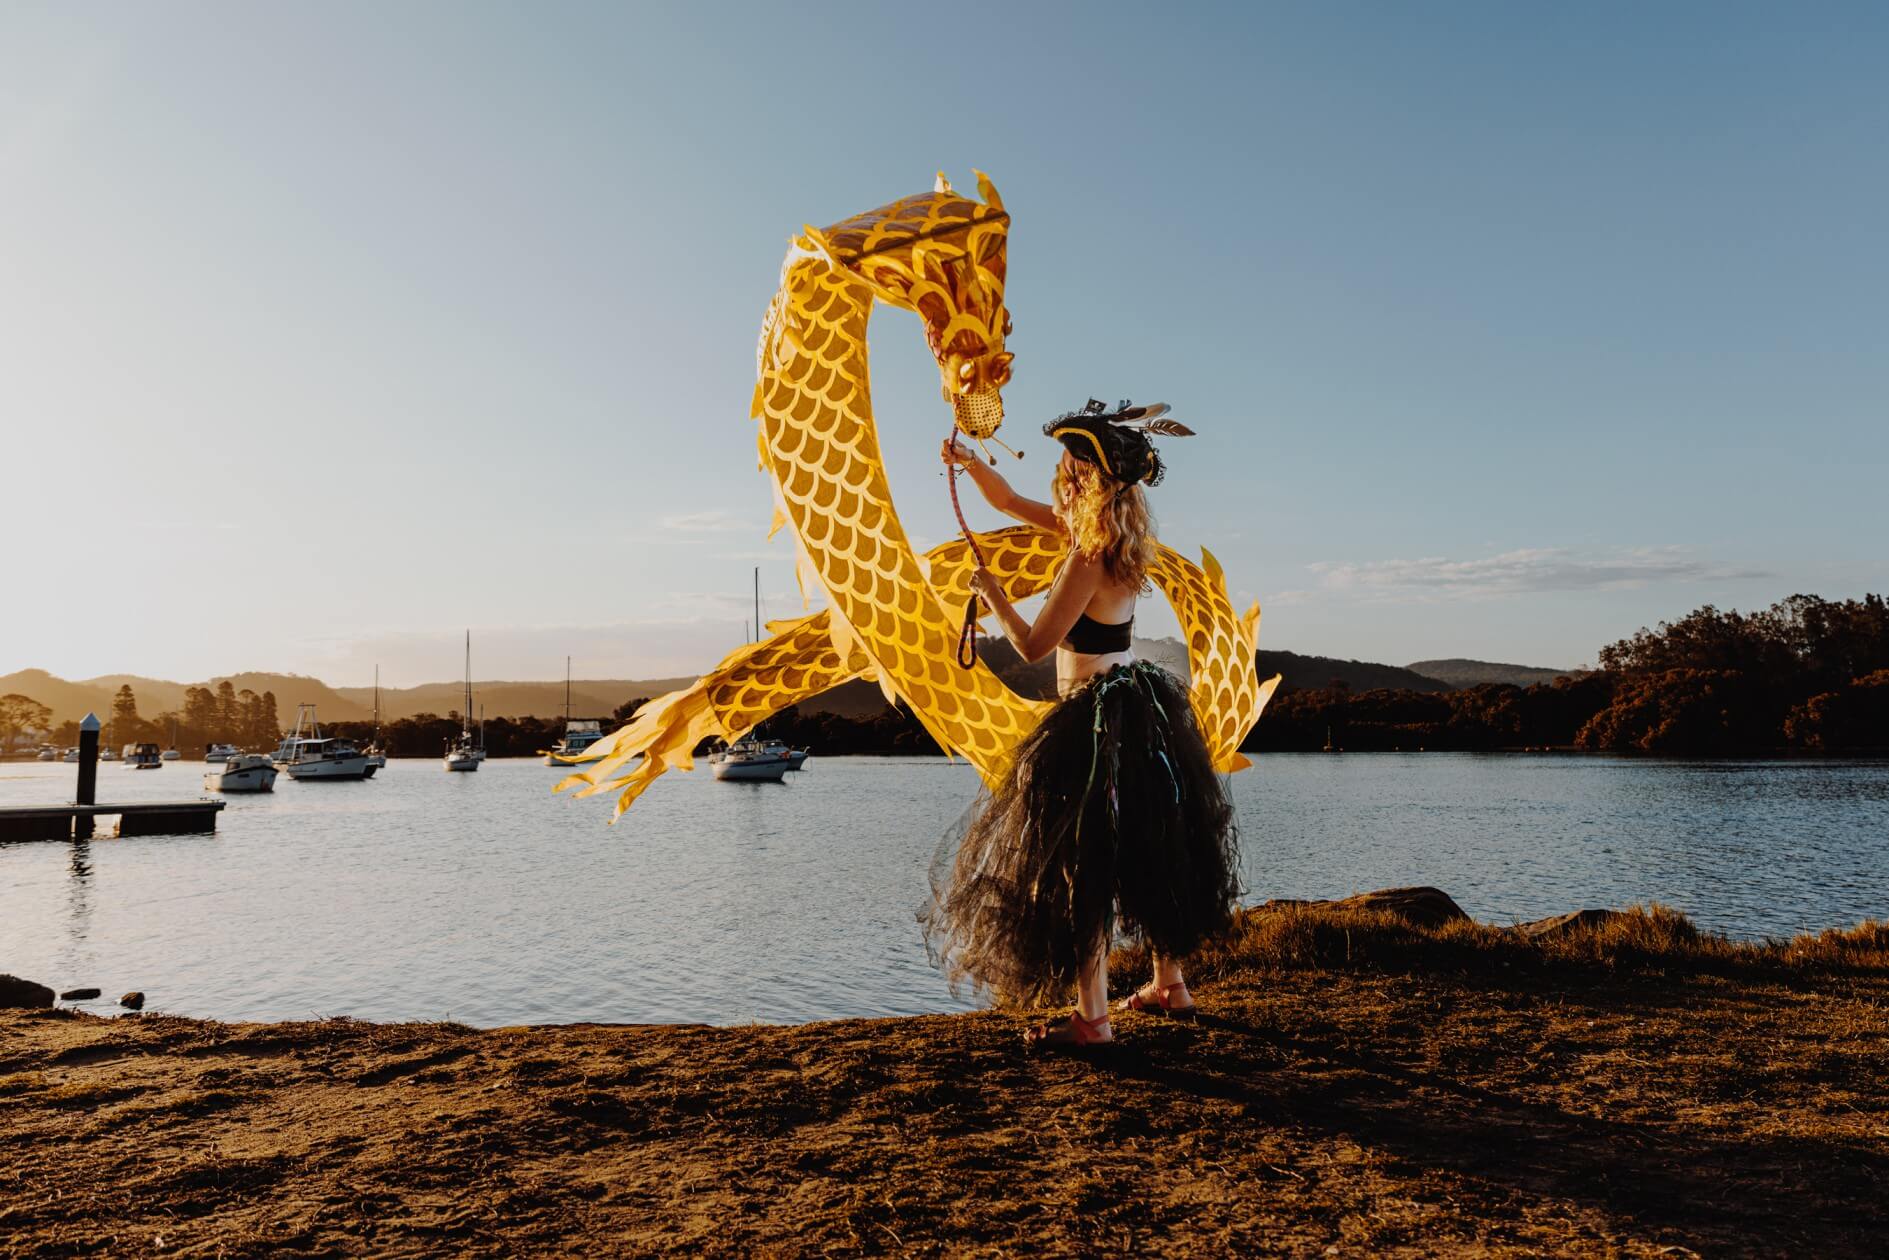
[567, 695]
[757, 603]
[465, 725]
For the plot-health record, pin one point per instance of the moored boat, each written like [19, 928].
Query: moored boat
[579, 733]
[304, 754]
[465, 753]
[376, 755]
[244, 772]
[214, 754]
[143, 757]
[751, 761]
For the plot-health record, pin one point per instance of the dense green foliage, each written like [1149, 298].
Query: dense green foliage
[1806, 674]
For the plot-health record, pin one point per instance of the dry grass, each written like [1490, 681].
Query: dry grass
[1355, 1087]
[1655, 938]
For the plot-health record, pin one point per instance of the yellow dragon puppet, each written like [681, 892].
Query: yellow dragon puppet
[889, 617]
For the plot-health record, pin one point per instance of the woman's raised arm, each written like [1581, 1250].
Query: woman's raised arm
[996, 491]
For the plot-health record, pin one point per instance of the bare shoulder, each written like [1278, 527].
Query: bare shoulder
[1085, 569]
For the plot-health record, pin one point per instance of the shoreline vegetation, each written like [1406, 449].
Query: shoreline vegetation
[1373, 1076]
[1807, 676]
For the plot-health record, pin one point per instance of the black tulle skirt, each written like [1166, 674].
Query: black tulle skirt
[1110, 824]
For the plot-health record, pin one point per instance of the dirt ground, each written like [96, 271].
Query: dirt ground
[1393, 1092]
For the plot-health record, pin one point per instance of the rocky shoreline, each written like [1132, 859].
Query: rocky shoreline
[1368, 1077]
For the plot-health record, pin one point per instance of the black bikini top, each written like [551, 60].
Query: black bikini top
[1094, 638]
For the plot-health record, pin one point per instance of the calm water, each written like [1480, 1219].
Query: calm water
[483, 898]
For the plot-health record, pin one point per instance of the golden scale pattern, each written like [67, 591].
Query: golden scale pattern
[943, 256]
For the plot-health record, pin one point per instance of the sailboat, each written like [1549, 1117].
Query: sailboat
[376, 755]
[579, 733]
[464, 753]
[749, 759]
[171, 753]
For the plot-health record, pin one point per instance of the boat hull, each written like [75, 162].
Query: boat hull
[459, 764]
[255, 779]
[729, 770]
[341, 769]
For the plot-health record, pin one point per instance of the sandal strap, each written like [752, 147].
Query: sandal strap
[1082, 1032]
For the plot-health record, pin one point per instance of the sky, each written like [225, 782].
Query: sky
[330, 330]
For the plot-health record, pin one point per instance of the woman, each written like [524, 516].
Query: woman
[1110, 819]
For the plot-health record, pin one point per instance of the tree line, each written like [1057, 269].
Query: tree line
[220, 715]
[1805, 675]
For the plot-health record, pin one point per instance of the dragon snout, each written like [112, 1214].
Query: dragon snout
[980, 414]
[973, 385]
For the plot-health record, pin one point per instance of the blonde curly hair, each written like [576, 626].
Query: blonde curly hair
[1106, 518]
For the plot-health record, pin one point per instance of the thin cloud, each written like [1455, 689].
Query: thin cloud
[1526, 571]
[714, 522]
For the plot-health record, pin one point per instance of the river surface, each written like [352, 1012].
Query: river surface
[485, 899]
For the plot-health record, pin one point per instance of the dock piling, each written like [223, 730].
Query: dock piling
[88, 776]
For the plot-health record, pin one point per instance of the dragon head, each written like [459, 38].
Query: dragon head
[942, 255]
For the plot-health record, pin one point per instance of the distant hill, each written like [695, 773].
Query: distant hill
[1312, 672]
[70, 701]
[67, 700]
[590, 697]
[1458, 672]
[600, 697]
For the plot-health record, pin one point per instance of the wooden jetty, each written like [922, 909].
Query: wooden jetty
[135, 818]
[78, 819]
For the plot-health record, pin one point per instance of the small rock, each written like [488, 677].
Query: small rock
[1563, 924]
[15, 992]
[78, 995]
[132, 1001]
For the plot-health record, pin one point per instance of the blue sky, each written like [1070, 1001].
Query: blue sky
[328, 330]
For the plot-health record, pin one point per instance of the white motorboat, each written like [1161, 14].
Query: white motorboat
[465, 753]
[143, 757]
[751, 761]
[304, 754]
[48, 753]
[217, 753]
[70, 756]
[244, 772]
[106, 754]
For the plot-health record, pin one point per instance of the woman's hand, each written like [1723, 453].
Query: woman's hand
[952, 453]
[985, 586]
